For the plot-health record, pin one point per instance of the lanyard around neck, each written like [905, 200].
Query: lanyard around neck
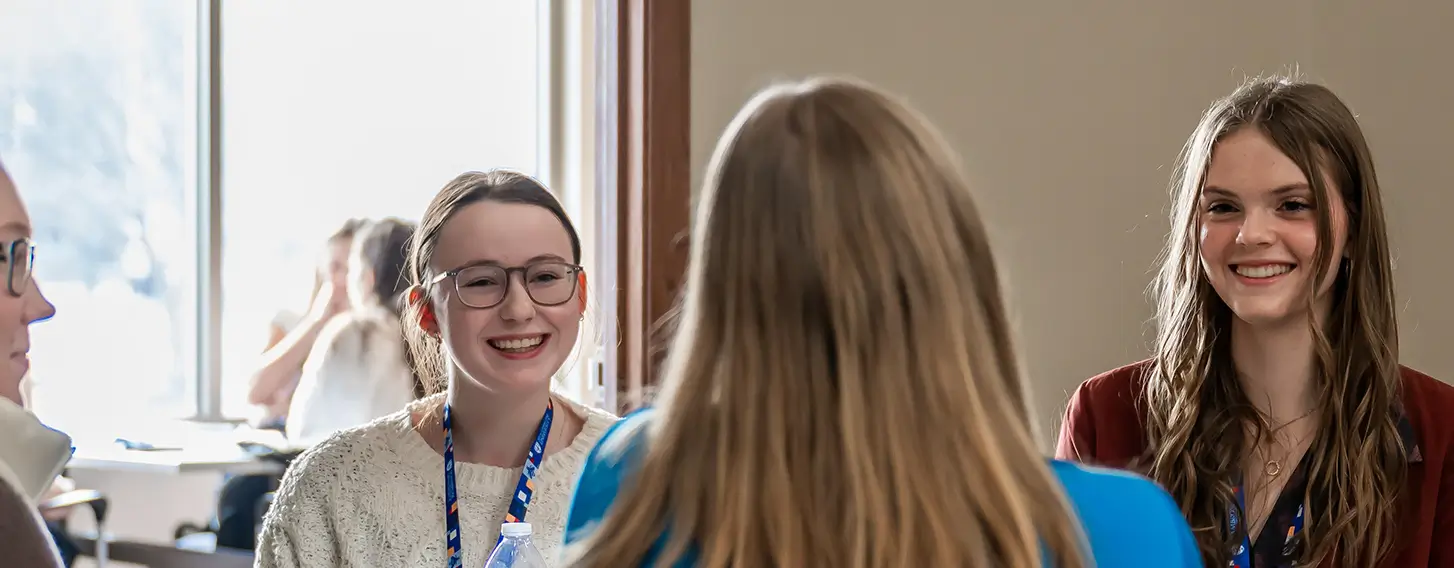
[524, 489]
[1242, 555]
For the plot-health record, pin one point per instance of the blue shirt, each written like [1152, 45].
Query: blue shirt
[1129, 521]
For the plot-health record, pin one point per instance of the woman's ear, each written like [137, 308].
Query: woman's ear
[581, 283]
[420, 301]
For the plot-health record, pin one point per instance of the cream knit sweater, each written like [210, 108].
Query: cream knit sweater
[373, 496]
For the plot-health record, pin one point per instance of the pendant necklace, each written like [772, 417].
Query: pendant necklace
[1273, 467]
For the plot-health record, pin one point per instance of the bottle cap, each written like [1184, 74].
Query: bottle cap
[515, 529]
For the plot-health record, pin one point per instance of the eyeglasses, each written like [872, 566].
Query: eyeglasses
[19, 259]
[486, 285]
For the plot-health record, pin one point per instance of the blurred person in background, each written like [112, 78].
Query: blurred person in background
[359, 368]
[292, 336]
[356, 369]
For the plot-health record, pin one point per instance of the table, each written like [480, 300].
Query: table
[215, 459]
[187, 448]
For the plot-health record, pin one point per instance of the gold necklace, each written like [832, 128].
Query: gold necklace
[1272, 467]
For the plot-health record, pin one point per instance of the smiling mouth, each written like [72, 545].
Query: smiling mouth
[518, 345]
[1263, 271]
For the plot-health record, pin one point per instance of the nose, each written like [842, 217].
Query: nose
[1257, 229]
[37, 307]
[517, 305]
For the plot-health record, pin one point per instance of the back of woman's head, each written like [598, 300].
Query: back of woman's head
[376, 271]
[381, 247]
[841, 389]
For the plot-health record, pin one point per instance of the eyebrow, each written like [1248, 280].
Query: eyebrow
[17, 228]
[1214, 191]
[531, 260]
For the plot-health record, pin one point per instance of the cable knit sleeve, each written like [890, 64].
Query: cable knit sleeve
[299, 530]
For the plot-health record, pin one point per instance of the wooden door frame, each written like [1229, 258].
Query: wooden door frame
[653, 176]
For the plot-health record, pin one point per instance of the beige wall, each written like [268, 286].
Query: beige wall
[1070, 114]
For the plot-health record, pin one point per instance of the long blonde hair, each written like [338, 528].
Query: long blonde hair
[841, 388]
[1196, 410]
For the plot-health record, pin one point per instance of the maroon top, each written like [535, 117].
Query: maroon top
[1103, 426]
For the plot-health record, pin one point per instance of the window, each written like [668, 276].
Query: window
[97, 126]
[328, 110]
[336, 109]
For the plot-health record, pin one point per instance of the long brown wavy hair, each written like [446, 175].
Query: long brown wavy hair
[841, 388]
[1196, 411]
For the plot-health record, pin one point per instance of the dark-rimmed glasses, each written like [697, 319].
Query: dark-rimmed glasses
[19, 259]
[487, 285]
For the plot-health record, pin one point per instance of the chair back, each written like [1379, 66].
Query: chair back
[166, 556]
[24, 540]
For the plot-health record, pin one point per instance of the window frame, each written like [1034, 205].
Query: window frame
[208, 374]
[558, 143]
[631, 180]
[647, 44]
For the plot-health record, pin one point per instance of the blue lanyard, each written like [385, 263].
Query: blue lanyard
[1242, 555]
[524, 489]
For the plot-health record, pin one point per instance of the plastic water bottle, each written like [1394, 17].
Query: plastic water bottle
[515, 549]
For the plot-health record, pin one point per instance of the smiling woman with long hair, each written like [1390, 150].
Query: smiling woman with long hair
[842, 389]
[1274, 408]
[495, 302]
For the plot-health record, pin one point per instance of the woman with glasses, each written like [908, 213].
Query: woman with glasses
[31, 455]
[23, 303]
[496, 303]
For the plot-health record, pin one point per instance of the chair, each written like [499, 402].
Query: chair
[164, 556]
[98, 505]
[145, 554]
[241, 506]
[24, 540]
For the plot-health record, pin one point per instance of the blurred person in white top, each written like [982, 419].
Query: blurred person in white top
[292, 336]
[359, 368]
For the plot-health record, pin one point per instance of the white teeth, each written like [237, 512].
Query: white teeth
[1264, 271]
[524, 343]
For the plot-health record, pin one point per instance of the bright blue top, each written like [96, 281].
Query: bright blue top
[1129, 521]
